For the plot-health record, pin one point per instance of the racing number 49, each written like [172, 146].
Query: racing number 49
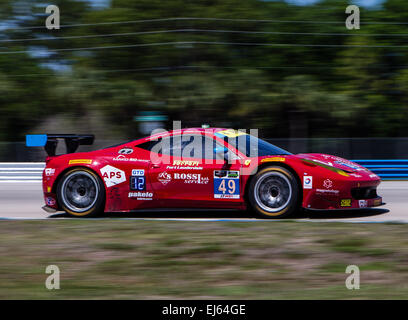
[230, 186]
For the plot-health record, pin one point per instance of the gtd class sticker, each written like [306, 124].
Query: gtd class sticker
[138, 172]
[138, 180]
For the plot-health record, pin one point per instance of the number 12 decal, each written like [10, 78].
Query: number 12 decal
[138, 183]
[226, 184]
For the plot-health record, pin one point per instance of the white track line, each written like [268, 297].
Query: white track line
[203, 220]
[19, 181]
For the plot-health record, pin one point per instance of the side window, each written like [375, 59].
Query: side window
[197, 146]
[160, 146]
[191, 146]
[209, 146]
[147, 145]
[186, 146]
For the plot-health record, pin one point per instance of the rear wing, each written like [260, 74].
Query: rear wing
[50, 141]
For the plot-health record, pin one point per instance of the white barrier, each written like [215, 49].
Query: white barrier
[21, 171]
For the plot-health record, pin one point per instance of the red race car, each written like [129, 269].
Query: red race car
[199, 168]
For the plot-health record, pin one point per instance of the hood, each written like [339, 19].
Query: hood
[339, 165]
[332, 161]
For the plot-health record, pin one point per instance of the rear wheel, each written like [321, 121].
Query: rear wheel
[81, 193]
[274, 193]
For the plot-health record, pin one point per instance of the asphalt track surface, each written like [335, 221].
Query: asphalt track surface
[23, 200]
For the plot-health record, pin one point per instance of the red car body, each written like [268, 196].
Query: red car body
[327, 182]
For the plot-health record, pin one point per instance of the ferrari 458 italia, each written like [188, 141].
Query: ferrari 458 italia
[199, 168]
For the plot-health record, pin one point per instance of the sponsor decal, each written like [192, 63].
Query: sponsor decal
[80, 161]
[274, 159]
[226, 184]
[233, 174]
[220, 173]
[377, 202]
[141, 195]
[191, 178]
[373, 175]
[138, 172]
[125, 151]
[328, 163]
[345, 202]
[324, 191]
[229, 133]
[355, 175]
[183, 168]
[247, 162]
[307, 182]
[122, 157]
[185, 163]
[362, 203]
[112, 176]
[48, 189]
[342, 173]
[50, 201]
[164, 177]
[348, 164]
[327, 183]
[327, 166]
[49, 172]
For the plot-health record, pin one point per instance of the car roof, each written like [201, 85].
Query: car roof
[189, 131]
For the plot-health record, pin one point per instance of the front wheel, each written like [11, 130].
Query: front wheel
[81, 193]
[274, 193]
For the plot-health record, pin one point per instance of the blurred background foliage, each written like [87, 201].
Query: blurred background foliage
[288, 70]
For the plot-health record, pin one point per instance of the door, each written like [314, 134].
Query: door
[191, 172]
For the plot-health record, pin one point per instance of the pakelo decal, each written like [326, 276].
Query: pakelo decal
[141, 195]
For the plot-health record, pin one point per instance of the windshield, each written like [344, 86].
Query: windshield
[253, 147]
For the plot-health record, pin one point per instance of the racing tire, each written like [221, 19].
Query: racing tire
[274, 193]
[81, 193]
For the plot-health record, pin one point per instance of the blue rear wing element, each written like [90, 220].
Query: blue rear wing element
[36, 140]
[50, 141]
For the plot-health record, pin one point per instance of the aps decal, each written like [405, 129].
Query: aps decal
[112, 176]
